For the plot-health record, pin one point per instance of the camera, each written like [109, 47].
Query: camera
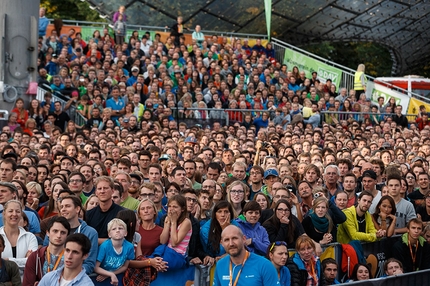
[317, 195]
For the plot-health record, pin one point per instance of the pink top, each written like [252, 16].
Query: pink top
[182, 247]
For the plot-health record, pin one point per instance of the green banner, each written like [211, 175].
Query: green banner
[310, 65]
[268, 8]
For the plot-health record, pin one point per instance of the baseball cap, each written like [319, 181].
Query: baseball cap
[134, 69]
[125, 120]
[271, 172]
[369, 174]
[164, 157]
[190, 139]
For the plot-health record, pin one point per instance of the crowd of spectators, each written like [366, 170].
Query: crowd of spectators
[279, 175]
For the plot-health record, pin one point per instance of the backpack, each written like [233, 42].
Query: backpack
[349, 259]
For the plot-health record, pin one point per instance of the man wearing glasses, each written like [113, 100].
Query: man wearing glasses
[76, 185]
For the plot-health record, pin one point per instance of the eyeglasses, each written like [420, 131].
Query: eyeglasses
[208, 187]
[191, 200]
[236, 192]
[146, 195]
[283, 210]
[282, 197]
[277, 243]
[75, 181]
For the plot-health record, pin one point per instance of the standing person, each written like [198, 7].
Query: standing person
[121, 11]
[360, 81]
[48, 258]
[43, 23]
[120, 28]
[177, 30]
[277, 252]
[412, 249]
[240, 267]
[76, 251]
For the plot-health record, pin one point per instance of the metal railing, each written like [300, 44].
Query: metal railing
[358, 116]
[58, 97]
[223, 115]
[160, 28]
[347, 79]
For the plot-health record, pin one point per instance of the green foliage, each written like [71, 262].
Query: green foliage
[375, 57]
[70, 10]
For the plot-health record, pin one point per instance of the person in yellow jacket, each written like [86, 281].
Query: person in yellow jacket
[359, 224]
[360, 81]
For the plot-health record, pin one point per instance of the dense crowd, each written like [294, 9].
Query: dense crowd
[135, 192]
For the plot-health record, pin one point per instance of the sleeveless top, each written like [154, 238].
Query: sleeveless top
[182, 247]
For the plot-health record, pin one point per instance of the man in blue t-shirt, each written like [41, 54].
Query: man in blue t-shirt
[240, 266]
[116, 103]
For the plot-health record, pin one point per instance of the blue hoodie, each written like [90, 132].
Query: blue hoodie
[285, 277]
[258, 234]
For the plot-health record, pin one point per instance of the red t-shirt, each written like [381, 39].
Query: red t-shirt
[150, 239]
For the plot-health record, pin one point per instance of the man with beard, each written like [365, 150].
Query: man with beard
[359, 224]
[88, 173]
[241, 267]
[133, 190]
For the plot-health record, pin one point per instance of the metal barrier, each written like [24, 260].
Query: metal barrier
[421, 277]
[177, 111]
[358, 116]
[58, 97]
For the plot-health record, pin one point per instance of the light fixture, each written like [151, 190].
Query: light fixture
[93, 8]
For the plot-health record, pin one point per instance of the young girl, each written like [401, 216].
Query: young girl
[115, 253]
[176, 233]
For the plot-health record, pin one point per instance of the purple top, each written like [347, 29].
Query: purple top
[115, 17]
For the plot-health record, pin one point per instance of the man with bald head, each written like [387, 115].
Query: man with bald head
[240, 267]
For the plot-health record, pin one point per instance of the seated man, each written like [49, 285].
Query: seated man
[412, 249]
[359, 224]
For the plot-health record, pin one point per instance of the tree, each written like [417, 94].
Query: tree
[70, 10]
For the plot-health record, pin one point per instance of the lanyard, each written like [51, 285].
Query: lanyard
[413, 256]
[49, 259]
[240, 271]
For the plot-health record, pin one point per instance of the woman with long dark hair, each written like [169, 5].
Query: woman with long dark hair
[210, 233]
[283, 225]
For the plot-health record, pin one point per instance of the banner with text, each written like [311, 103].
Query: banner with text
[310, 65]
[414, 106]
[376, 90]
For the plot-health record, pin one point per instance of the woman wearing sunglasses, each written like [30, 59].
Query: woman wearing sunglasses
[277, 252]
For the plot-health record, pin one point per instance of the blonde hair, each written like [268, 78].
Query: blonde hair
[116, 221]
[153, 206]
[36, 186]
[361, 68]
